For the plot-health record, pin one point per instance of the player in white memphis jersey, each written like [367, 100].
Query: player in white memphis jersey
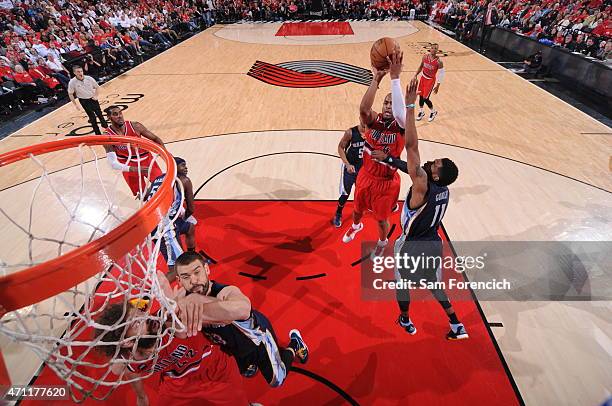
[184, 222]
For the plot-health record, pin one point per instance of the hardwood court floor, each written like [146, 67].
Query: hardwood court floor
[532, 167]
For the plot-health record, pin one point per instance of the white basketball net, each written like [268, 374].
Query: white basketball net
[69, 208]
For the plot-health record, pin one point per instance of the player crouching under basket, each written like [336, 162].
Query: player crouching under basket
[192, 370]
[247, 335]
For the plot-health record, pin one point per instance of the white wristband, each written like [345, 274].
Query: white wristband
[115, 164]
[397, 103]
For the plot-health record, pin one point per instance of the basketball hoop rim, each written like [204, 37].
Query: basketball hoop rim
[42, 281]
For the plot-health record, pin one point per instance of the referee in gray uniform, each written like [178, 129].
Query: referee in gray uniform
[85, 88]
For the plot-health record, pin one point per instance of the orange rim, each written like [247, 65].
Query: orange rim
[42, 281]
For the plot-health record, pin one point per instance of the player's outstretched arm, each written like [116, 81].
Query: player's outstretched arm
[113, 161]
[366, 113]
[142, 130]
[397, 98]
[417, 174]
[395, 162]
[196, 310]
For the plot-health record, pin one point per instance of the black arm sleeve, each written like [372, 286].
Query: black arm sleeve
[397, 163]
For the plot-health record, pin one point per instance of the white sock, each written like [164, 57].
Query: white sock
[382, 243]
[356, 226]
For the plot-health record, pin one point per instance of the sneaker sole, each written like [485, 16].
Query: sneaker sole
[458, 338]
[413, 333]
[297, 333]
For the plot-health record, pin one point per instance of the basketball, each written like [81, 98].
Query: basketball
[381, 49]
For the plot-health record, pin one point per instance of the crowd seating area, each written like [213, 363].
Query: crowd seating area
[42, 39]
[580, 26]
[272, 10]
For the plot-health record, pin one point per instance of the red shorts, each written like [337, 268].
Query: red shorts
[426, 85]
[216, 383]
[376, 194]
[136, 180]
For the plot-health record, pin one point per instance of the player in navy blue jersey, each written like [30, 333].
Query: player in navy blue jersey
[422, 214]
[350, 150]
[184, 222]
[224, 314]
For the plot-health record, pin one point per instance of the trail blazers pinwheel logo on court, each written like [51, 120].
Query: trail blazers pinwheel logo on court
[309, 74]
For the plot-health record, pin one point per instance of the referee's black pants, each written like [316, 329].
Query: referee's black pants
[93, 110]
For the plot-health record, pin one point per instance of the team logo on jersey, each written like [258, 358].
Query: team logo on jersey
[215, 338]
[309, 74]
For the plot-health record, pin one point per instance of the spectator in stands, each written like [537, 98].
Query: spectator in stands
[504, 19]
[150, 35]
[6, 71]
[33, 86]
[591, 48]
[579, 45]
[92, 67]
[209, 9]
[605, 50]
[133, 33]
[23, 60]
[39, 71]
[559, 39]
[58, 70]
[568, 42]
[546, 20]
[54, 51]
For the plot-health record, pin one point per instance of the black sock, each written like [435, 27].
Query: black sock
[287, 357]
[453, 318]
[405, 319]
[339, 210]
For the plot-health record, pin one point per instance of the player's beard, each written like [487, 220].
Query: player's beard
[427, 169]
[201, 289]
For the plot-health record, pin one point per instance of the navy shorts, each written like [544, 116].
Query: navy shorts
[347, 180]
[171, 245]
